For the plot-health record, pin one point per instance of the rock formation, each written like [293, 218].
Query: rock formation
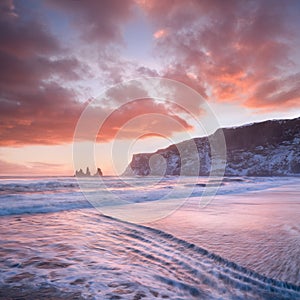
[98, 173]
[270, 148]
[80, 173]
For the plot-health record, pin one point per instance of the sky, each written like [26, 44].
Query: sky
[57, 57]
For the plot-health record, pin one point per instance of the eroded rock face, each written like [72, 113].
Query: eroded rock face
[270, 148]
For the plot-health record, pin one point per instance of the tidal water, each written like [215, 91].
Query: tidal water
[245, 244]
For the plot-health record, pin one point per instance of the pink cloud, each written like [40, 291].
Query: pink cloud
[98, 21]
[32, 168]
[160, 33]
[7, 9]
[227, 50]
[144, 108]
[23, 39]
[48, 116]
[36, 108]
[284, 91]
[230, 47]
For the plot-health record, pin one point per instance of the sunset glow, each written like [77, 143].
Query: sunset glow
[149, 149]
[55, 56]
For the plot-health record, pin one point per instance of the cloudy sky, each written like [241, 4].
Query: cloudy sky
[56, 56]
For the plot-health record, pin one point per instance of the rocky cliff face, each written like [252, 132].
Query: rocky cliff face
[270, 148]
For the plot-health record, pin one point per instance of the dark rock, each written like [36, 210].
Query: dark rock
[269, 148]
[98, 173]
[80, 173]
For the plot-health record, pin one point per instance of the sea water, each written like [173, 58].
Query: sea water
[55, 244]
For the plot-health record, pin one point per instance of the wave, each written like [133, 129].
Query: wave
[218, 270]
[23, 196]
[104, 258]
[37, 187]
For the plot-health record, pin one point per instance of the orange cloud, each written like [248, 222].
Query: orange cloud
[148, 117]
[231, 49]
[283, 91]
[227, 50]
[32, 168]
[160, 33]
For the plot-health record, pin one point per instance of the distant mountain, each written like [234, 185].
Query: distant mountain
[270, 148]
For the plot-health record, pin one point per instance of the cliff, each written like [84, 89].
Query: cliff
[269, 148]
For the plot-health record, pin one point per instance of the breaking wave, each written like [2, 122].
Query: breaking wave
[104, 258]
[37, 187]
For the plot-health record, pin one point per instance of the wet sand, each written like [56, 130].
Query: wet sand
[258, 230]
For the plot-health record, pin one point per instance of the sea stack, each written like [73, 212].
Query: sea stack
[99, 172]
[80, 173]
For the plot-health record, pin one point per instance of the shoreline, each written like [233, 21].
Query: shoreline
[241, 244]
[263, 215]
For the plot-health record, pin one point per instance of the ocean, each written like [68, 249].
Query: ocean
[148, 238]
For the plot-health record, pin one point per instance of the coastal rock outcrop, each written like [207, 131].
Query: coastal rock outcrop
[80, 173]
[269, 148]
